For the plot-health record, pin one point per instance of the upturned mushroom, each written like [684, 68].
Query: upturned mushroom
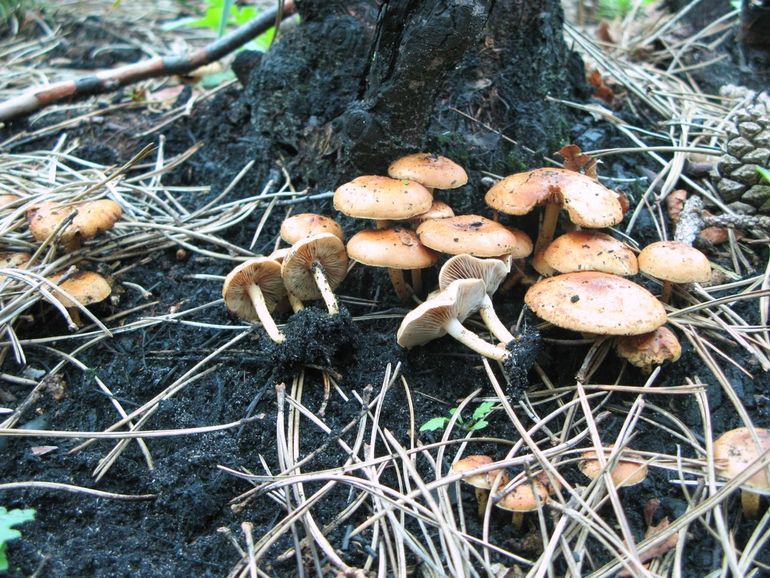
[734, 451]
[91, 218]
[84, 288]
[252, 290]
[649, 349]
[492, 272]
[443, 314]
[674, 262]
[430, 170]
[314, 267]
[481, 482]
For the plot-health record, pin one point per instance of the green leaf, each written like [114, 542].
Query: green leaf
[477, 425]
[434, 424]
[483, 410]
[8, 519]
[764, 173]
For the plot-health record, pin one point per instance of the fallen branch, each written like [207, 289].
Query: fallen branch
[110, 80]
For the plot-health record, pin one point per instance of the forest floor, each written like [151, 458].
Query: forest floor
[172, 439]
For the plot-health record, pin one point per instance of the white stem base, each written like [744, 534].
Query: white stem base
[258, 300]
[474, 342]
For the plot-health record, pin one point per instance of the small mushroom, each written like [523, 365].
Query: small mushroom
[252, 290]
[528, 496]
[734, 451]
[382, 198]
[649, 349]
[471, 234]
[430, 170]
[303, 225]
[623, 474]
[438, 210]
[92, 218]
[13, 261]
[443, 314]
[590, 251]
[84, 287]
[314, 267]
[481, 482]
[674, 262]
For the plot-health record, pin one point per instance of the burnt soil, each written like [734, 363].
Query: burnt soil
[176, 532]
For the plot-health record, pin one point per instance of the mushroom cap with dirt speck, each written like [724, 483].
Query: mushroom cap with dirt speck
[625, 473]
[438, 210]
[303, 225]
[526, 497]
[523, 244]
[93, 217]
[595, 302]
[395, 248]
[675, 261]
[588, 202]
[7, 199]
[491, 271]
[325, 250]
[85, 287]
[382, 198]
[263, 272]
[427, 321]
[483, 480]
[14, 260]
[649, 349]
[736, 449]
[430, 170]
[469, 234]
[590, 251]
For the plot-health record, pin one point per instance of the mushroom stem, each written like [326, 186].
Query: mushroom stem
[417, 281]
[548, 228]
[750, 503]
[295, 302]
[326, 291]
[474, 342]
[399, 285]
[482, 496]
[258, 300]
[492, 321]
[665, 293]
[72, 245]
[77, 322]
[518, 520]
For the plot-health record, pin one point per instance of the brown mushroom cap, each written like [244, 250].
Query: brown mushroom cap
[325, 250]
[85, 287]
[649, 349]
[625, 473]
[279, 254]
[432, 171]
[14, 260]
[484, 480]
[395, 248]
[7, 199]
[470, 234]
[523, 244]
[590, 251]
[589, 203]
[260, 271]
[736, 449]
[438, 210]
[93, 217]
[595, 302]
[526, 497]
[302, 225]
[675, 261]
[382, 198]
[491, 271]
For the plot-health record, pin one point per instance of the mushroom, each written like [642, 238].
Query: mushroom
[396, 248]
[481, 482]
[590, 251]
[492, 272]
[528, 496]
[13, 261]
[431, 171]
[84, 287]
[734, 451]
[588, 203]
[649, 349]
[314, 267]
[438, 210]
[382, 199]
[623, 474]
[303, 225]
[252, 290]
[595, 302]
[674, 262]
[473, 235]
[443, 313]
[92, 218]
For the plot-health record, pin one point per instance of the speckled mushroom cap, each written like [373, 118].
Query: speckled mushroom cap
[676, 262]
[85, 287]
[526, 497]
[625, 473]
[736, 449]
[588, 202]
[491, 271]
[427, 321]
[382, 198]
[484, 480]
[595, 302]
[649, 349]
[523, 244]
[7, 199]
[469, 234]
[93, 217]
[433, 171]
[14, 260]
[302, 225]
[590, 251]
[260, 271]
[438, 210]
[395, 248]
[325, 250]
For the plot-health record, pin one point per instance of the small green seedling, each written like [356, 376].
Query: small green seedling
[476, 422]
[764, 173]
[7, 521]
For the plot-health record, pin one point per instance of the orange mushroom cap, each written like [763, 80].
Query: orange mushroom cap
[470, 234]
[382, 198]
[432, 171]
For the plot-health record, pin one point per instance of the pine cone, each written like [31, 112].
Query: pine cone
[747, 147]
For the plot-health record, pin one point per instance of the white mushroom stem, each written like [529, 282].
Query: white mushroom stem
[400, 286]
[295, 302]
[492, 321]
[474, 342]
[326, 291]
[258, 301]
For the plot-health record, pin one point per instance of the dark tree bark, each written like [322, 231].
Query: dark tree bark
[359, 83]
